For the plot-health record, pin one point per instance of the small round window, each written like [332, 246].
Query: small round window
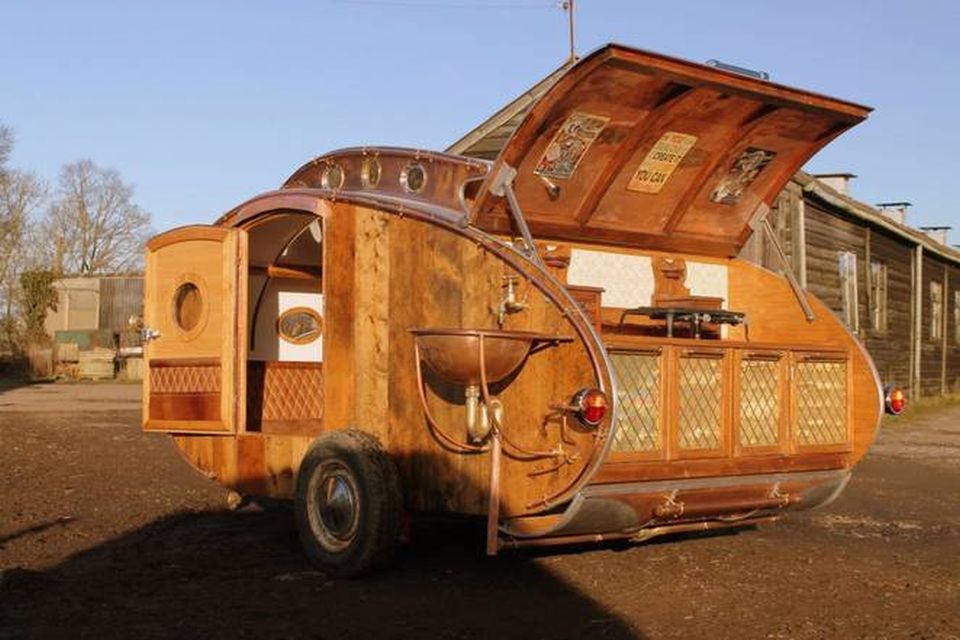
[332, 177]
[187, 306]
[414, 177]
[300, 325]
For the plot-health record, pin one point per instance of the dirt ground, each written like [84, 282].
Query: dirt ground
[106, 533]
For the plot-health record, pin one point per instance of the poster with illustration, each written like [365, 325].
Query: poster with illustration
[744, 171]
[569, 145]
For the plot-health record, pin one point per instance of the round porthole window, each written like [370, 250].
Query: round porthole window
[187, 306]
[370, 173]
[300, 325]
[332, 177]
[414, 177]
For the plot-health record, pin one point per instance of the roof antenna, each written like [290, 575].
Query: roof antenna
[567, 6]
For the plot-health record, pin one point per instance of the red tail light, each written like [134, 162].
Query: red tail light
[591, 406]
[895, 400]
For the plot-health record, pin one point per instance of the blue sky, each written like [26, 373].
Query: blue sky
[203, 104]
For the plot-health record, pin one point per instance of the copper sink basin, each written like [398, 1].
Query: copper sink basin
[455, 353]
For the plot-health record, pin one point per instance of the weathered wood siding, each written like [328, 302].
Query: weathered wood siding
[783, 216]
[120, 298]
[931, 349]
[890, 348]
[827, 235]
[952, 362]
[805, 224]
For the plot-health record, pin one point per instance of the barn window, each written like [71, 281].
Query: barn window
[956, 317]
[848, 289]
[936, 310]
[878, 296]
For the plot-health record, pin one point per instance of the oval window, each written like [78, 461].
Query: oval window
[300, 325]
[370, 173]
[187, 306]
[414, 177]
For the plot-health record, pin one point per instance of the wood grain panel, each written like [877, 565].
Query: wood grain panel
[191, 407]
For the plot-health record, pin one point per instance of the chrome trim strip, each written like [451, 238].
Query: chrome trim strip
[714, 482]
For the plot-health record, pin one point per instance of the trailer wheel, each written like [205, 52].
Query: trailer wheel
[349, 505]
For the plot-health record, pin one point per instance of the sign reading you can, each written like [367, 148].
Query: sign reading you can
[660, 162]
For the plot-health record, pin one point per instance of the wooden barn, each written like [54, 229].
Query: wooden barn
[896, 287]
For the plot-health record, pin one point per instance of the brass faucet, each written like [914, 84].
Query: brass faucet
[510, 303]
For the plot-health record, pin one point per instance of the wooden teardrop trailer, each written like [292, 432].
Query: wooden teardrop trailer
[562, 341]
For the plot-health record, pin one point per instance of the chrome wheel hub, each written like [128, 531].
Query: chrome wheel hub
[334, 509]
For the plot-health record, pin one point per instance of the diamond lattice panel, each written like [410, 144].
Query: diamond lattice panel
[187, 379]
[284, 392]
[638, 376]
[821, 391]
[701, 395]
[759, 403]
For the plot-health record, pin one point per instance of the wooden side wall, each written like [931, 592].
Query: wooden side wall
[383, 276]
[940, 359]
[828, 235]
[931, 349]
[409, 274]
[952, 355]
[890, 349]
[783, 218]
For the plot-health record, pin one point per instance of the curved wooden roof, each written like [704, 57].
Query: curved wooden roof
[640, 149]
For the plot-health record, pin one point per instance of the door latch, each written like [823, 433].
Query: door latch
[147, 334]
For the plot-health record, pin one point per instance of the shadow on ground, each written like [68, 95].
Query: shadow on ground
[242, 575]
[11, 379]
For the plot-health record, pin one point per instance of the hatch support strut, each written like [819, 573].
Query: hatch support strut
[760, 219]
[502, 185]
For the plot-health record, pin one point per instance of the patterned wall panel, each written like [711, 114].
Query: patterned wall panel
[638, 375]
[759, 403]
[284, 391]
[627, 280]
[186, 379]
[821, 402]
[701, 409]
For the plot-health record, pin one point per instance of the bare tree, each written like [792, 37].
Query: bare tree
[21, 193]
[6, 146]
[93, 226]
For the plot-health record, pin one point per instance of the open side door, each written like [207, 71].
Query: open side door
[195, 327]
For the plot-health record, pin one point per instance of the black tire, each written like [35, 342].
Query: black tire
[349, 505]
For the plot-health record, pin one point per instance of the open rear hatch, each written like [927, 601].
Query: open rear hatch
[639, 149]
